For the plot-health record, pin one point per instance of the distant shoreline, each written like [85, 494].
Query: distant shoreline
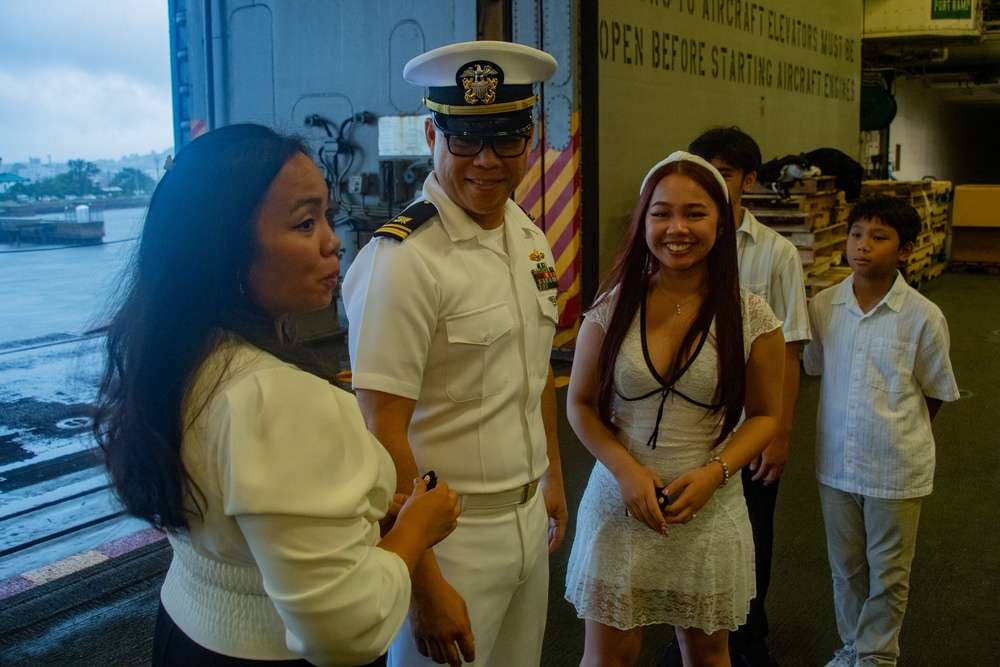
[16, 210]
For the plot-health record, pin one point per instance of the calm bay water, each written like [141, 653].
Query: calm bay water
[49, 290]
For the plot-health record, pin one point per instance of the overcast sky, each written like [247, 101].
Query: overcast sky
[84, 79]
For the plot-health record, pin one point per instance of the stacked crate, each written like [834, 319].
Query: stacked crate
[975, 227]
[931, 199]
[814, 218]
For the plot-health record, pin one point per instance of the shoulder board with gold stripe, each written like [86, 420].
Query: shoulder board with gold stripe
[406, 222]
[530, 217]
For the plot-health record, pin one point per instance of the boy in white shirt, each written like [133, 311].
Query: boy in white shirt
[882, 349]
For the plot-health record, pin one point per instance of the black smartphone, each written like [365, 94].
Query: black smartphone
[660, 498]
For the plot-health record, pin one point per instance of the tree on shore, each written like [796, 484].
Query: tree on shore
[133, 181]
[75, 182]
[78, 178]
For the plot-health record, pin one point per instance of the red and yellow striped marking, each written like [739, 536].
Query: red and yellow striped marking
[550, 193]
[199, 126]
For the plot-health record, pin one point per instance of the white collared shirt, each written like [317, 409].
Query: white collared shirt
[770, 267]
[447, 319]
[873, 430]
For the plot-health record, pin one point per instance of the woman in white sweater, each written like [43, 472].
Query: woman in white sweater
[218, 430]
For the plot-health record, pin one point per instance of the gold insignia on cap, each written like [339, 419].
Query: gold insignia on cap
[461, 110]
[479, 85]
[536, 256]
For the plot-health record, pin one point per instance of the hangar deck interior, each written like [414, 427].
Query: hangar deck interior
[103, 615]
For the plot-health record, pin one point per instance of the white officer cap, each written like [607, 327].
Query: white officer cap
[481, 88]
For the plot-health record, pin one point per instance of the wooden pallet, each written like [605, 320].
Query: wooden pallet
[917, 267]
[941, 187]
[920, 253]
[819, 266]
[828, 278]
[896, 188]
[992, 268]
[827, 249]
[806, 202]
[817, 237]
[784, 221]
[924, 274]
[934, 270]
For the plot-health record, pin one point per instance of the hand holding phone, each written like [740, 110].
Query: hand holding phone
[661, 500]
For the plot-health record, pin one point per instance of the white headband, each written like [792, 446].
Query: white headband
[683, 156]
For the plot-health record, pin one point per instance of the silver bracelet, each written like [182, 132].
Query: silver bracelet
[725, 470]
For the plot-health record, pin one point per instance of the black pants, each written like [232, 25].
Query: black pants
[761, 501]
[173, 648]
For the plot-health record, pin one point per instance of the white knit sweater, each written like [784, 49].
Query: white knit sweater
[283, 561]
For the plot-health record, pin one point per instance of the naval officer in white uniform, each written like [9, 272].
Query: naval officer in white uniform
[452, 309]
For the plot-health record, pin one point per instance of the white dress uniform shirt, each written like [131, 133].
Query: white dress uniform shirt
[770, 267]
[873, 428]
[450, 319]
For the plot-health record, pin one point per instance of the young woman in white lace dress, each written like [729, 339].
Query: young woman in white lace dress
[672, 355]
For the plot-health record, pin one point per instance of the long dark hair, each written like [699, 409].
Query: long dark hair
[183, 293]
[632, 275]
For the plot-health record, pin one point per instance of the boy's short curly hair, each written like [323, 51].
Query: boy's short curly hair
[892, 212]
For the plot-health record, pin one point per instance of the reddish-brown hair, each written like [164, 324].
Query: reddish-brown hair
[631, 279]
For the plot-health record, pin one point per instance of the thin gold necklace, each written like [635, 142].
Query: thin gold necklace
[685, 301]
[678, 304]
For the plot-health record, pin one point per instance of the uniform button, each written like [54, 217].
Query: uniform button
[486, 338]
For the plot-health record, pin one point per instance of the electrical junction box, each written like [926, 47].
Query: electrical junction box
[358, 184]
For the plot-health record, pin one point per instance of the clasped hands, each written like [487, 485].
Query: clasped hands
[685, 495]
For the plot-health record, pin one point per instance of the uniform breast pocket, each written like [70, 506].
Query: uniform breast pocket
[475, 343]
[890, 364]
[548, 306]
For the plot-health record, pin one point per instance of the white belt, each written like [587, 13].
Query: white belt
[488, 501]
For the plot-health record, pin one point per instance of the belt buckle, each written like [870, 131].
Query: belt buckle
[526, 491]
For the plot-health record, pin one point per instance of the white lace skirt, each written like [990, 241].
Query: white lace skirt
[622, 574]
